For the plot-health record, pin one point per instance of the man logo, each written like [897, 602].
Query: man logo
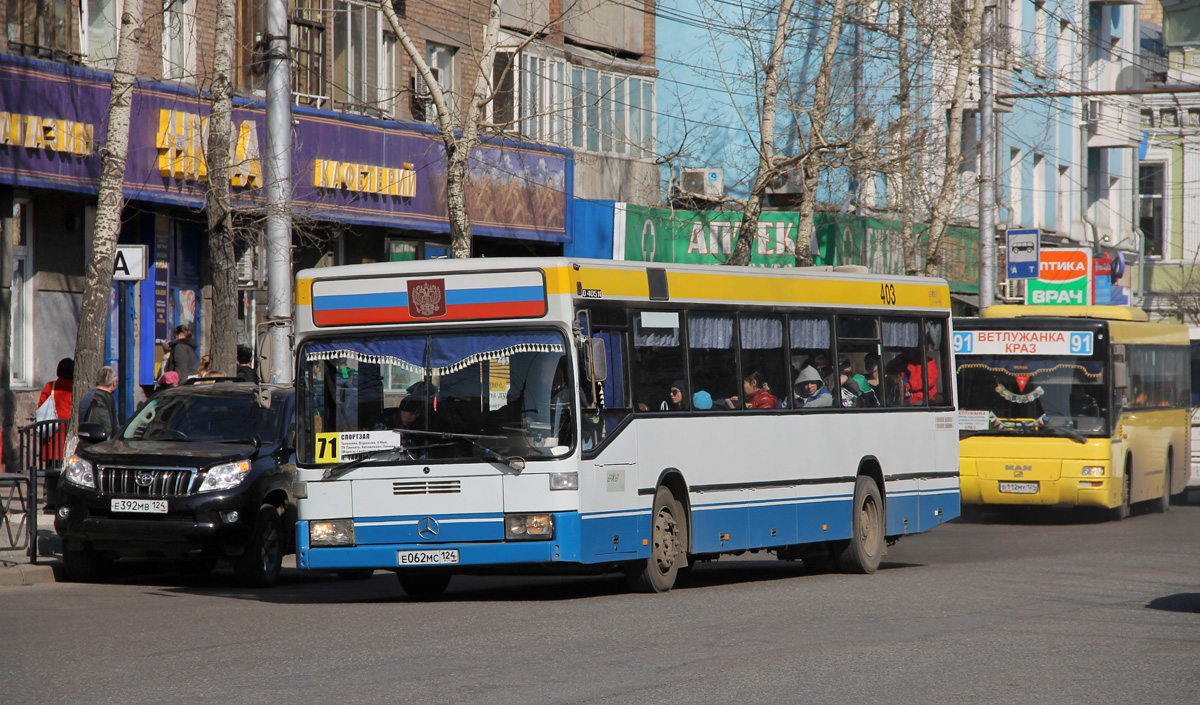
[427, 527]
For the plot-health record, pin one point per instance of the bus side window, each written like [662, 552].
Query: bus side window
[907, 379]
[811, 346]
[658, 357]
[935, 355]
[763, 352]
[714, 361]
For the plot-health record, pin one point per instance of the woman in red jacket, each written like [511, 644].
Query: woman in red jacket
[758, 396]
[52, 447]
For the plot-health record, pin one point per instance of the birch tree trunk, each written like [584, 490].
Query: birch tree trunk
[221, 257]
[812, 161]
[93, 315]
[748, 230]
[968, 46]
[460, 146]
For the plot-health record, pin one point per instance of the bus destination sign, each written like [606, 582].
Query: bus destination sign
[1023, 342]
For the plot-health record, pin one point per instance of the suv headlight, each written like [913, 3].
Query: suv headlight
[225, 476]
[78, 471]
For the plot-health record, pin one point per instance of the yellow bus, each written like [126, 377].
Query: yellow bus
[1082, 406]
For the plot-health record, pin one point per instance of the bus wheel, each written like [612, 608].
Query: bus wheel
[1121, 511]
[1164, 502]
[864, 551]
[668, 547]
[424, 585]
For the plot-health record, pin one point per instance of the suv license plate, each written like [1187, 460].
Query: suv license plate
[443, 557]
[143, 506]
[1019, 487]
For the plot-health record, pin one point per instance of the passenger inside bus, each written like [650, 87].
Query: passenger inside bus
[757, 393]
[810, 390]
[677, 397]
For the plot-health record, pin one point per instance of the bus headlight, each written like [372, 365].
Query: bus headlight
[331, 532]
[1092, 471]
[528, 526]
[564, 480]
[78, 471]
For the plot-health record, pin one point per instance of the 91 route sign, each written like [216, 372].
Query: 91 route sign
[130, 264]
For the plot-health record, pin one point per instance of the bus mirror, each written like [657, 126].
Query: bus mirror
[595, 360]
[1120, 375]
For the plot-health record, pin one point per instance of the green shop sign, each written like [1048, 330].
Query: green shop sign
[703, 237]
[876, 244]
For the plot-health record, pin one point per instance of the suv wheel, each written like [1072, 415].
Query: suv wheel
[259, 565]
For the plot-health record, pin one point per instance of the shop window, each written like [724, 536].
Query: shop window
[39, 28]
[104, 29]
[179, 40]
[21, 357]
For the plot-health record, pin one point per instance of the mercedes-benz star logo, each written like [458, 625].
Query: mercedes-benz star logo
[427, 527]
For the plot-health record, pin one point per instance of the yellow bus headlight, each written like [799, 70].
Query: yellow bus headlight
[1092, 471]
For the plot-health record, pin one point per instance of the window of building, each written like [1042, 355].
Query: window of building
[1039, 190]
[360, 54]
[39, 28]
[1041, 32]
[104, 29]
[440, 59]
[1151, 184]
[1168, 118]
[611, 113]
[307, 38]
[179, 40]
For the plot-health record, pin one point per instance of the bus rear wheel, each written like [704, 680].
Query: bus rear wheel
[668, 547]
[863, 553]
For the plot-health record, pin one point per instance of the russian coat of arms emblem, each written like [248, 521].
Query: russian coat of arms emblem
[426, 298]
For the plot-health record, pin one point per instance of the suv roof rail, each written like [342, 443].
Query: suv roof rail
[213, 380]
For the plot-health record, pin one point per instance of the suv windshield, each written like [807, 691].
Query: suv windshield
[210, 416]
[502, 391]
[1034, 394]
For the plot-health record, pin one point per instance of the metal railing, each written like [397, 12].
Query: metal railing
[40, 448]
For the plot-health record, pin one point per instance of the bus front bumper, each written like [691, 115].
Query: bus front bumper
[562, 547]
[1066, 491]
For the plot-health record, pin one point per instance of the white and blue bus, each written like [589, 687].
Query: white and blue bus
[477, 415]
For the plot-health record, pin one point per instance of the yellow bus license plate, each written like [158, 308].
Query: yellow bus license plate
[1019, 487]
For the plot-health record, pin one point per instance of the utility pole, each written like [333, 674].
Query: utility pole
[279, 192]
[987, 164]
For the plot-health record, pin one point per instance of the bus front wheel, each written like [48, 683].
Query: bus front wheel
[1164, 502]
[1121, 511]
[422, 585]
[668, 547]
[864, 551]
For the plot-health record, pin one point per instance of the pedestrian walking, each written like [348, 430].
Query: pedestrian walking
[98, 404]
[184, 360]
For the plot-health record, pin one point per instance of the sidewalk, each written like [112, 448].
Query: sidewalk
[15, 568]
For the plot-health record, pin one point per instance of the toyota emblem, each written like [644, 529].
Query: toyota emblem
[144, 478]
[427, 527]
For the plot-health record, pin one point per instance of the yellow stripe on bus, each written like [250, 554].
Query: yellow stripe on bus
[693, 286]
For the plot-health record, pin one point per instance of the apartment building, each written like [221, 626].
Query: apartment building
[572, 110]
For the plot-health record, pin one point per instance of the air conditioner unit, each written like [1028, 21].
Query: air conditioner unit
[790, 183]
[709, 183]
[1012, 290]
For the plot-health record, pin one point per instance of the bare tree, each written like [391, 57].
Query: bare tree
[93, 316]
[222, 265]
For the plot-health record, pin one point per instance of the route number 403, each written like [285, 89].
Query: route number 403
[887, 294]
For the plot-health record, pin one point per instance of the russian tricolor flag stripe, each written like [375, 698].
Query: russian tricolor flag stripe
[468, 297]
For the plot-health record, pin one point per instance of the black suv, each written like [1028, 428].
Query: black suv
[201, 472]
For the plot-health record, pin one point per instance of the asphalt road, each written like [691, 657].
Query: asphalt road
[1043, 607]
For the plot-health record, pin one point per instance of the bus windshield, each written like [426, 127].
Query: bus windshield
[1038, 395]
[443, 395]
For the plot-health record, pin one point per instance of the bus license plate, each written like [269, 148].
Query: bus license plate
[142, 506]
[446, 556]
[1019, 487]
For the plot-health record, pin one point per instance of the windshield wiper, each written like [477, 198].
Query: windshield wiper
[1067, 432]
[475, 439]
[340, 469]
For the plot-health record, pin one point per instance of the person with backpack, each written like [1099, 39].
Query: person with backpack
[98, 404]
[184, 359]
